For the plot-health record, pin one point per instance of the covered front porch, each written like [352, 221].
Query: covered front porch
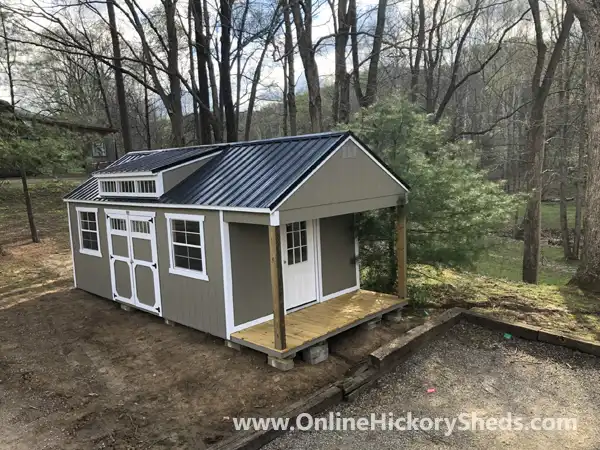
[317, 323]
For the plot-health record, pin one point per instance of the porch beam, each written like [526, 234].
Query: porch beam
[401, 249]
[277, 288]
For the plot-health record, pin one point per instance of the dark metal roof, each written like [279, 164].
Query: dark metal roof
[254, 174]
[156, 160]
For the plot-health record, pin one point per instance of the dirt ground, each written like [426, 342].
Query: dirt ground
[475, 370]
[76, 372]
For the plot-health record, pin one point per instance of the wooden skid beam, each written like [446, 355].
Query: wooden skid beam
[277, 288]
[401, 249]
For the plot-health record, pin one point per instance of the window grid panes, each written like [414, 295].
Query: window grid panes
[118, 224]
[89, 230]
[187, 244]
[138, 226]
[297, 247]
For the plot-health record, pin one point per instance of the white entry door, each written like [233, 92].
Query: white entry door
[299, 266]
[133, 259]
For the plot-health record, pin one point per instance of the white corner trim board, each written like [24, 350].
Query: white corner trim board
[227, 275]
[72, 242]
[173, 269]
[87, 251]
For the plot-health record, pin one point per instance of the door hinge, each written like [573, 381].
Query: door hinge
[151, 220]
[158, 308]
[112, 257]
[154, 265]
[114, 294]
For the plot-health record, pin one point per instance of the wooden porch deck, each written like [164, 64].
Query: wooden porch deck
[319, 322]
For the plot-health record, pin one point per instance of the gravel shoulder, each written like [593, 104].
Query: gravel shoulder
[475, 370]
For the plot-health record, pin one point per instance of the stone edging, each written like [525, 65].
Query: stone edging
[388, 356]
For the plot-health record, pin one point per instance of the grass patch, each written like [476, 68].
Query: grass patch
[551, 217]
[558, 307]
[504, 259]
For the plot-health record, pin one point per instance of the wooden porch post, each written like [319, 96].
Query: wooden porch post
[401, 249]
[276, 288]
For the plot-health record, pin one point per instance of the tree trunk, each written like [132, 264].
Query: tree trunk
[291, 76]
[303, 24]
[588, 273]
[414, 76]
[540, 87]
[175, 109]
[563, 162]
[121, 97]
[147, 113]
[580, 180]
[225, 70]
[203, 86]
[341, 41]
[372, 75]
[532, 222]
[32, 228]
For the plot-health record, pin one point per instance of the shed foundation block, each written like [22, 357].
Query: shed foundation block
[371, 324]
[283, 364]
[316, 354]
[394, 316]
[233, 345]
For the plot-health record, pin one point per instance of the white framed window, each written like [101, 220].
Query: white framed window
[89, 235]
[297, 246]
[186, 245]
[139, 186]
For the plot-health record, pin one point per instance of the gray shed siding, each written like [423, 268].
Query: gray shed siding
[91, 272]
[350, 181]
[338, 264]
[250, 272]
[195, 303]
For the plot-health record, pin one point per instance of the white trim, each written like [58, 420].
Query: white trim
[200, 275]
[322, 163]
[318, 261]
[356, 251]
[72, 245]
[356, 260]
[87, 251]
[170, 206]
[251, 323]
[274, 219]
[227, 276]
[122, 175]
[342, 292]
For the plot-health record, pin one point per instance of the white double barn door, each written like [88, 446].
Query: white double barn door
[133, 259]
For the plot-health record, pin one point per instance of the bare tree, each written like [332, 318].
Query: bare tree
[540, 89]
[121, 98]
[302, 12]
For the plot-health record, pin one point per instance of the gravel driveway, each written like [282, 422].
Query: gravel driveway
[471, 370]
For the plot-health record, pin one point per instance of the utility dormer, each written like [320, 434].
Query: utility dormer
[149, 174]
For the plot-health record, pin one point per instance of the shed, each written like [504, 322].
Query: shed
[253, 242]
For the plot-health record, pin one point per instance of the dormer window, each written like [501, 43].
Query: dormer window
[114, 186]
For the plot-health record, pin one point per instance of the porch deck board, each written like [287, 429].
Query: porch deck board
[316, 323]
